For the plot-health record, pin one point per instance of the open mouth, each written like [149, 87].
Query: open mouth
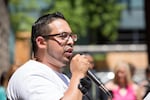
[68, 51]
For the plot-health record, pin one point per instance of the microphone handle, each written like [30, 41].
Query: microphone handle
[98, 83]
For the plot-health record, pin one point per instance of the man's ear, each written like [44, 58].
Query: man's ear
[41, 43]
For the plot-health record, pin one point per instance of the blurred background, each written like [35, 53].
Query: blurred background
[110, 30]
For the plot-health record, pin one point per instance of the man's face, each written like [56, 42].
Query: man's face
[59, 50]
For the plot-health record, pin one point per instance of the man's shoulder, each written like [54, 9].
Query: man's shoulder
[29, 69]
[31, 66]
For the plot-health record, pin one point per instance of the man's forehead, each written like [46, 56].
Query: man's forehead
[60, 25]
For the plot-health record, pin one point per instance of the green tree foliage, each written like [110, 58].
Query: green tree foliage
[103, 17]
[96, 17]
[24, 12]
[74, 13]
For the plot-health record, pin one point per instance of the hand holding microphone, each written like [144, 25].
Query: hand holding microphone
[93, 77]
[80, 65]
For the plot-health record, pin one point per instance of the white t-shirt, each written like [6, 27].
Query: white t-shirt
[36, 81]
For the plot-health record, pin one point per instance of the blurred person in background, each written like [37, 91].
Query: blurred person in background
[133, 72]
[132, 69]
[94, 93]
[145, 84]
[9, 73]
[90, 59]
[89, 93]
[122, 86]
[2, 88]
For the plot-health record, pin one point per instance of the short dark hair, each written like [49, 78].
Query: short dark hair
[40, 27]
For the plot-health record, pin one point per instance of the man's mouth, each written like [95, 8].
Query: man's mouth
[68, 51]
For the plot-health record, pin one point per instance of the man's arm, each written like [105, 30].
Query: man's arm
[78, 66]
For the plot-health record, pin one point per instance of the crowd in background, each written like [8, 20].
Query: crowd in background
[122, 87]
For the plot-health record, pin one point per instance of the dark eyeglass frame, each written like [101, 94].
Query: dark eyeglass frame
[63, 36]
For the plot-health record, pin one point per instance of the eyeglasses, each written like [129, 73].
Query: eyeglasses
[63, 36]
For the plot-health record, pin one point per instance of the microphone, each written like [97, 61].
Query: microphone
[98, 83]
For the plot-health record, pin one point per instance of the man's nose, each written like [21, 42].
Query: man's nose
[70, 40]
